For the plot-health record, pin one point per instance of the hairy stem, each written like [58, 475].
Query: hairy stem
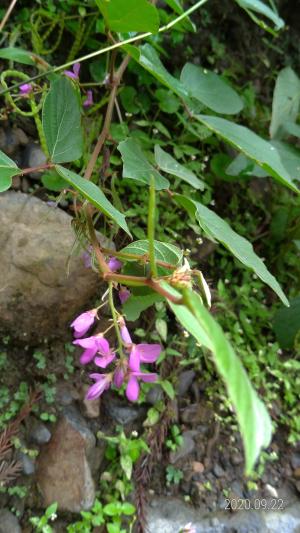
[107, 121]
[115, 317]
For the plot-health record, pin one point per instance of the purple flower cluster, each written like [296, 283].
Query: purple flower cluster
[127, 368]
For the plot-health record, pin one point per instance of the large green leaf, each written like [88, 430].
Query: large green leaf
[136, 304]
[211, 90]
[217, 228]
[148, 58]
[129, 15]
[163, 251]
[253, 146]
[62, 122]
[8, 169]
[287, 323]
[136, 165]
[257, 6]
[254, 421]
[290, 158]
[94, 195]
[286, 100]
[168, 164]
[19, 55]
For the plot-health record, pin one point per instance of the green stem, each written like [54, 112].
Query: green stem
[115, 317]
[113, 46]
[151, 229]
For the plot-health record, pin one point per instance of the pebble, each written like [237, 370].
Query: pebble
[39, 433]
[34, 157]
[91, 407]
[271, 491]
[28, 464]
[185, 380]
[121, 412]
[297, 472]
[198, 467]
[154, 395]
[218, 471]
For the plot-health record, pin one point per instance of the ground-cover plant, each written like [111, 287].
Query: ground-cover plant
[148, 271]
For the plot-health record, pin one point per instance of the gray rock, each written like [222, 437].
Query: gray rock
[28, 464]
[37, 292]
[39, 433]
[185, 380]
[169, 515]
[63, 469]
[9, 522]
[34, 157]
[121, 412]
[218, 470]
[154, 395]
[295, 460]
[187, 447]
[11, 139]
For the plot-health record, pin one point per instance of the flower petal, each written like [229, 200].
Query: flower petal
[132, 389]
[114, 264]
[87, 356]
[124, 294]
[103, 362]
[103, 346]
[134, 359]
[119, 377]
[125, 335]
[149, 353]
[88, 342]
[76, 69]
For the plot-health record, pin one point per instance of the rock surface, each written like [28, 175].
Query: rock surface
[170, 515]
[63, 470]
[8, 522]
[38, 298]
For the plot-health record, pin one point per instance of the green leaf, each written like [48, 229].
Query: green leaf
[253, 418]
[153, 416]
[163, 251]
[290, 158]
[261, 8]
[217, 228]
[112, 509]
[128, 508]
[253, 146]
[148, 58]
[136, 165]
[62, 122]
[8, 169]
[53, 181]
[292, 129]
[243, 166]
[286, 100]
[168, 388]
[126, 464]
[168, 164]
[135, 305]
[129, 15]
[161, 327]
[211, 90]
[287, 323]
[94, 195]
[168, 102]
[17, 54]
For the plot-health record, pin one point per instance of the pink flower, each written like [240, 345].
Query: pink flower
[125, 334]
[133, 388]
[114, 264]
[143, 353]
[83, 322]
[89, 99]
[25, 89]
[119, 376]
[102, 383]
[105, 352]
[92, 345]
[124, 294]
[74, 73]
